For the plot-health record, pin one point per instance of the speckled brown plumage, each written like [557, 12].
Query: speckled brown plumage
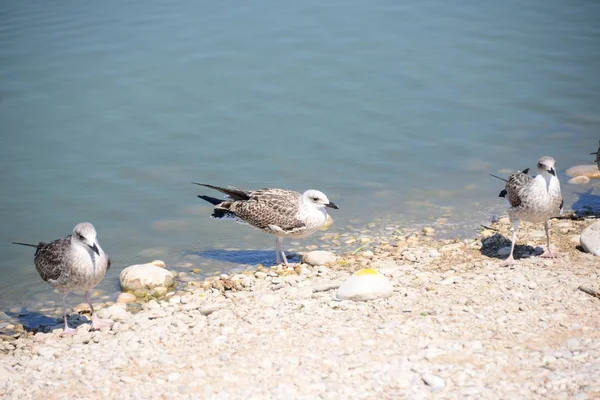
[280, 212]
[516, 182]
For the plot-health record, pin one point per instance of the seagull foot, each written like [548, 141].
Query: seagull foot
[549, 253]
[98, 323]
[508, 262]
[68, 331]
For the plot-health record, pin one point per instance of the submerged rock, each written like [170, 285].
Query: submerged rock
[327, 224]
[364, 285]
[319, 257]
[591, 171]
[579, 180]
[145, 276]
[590, 239]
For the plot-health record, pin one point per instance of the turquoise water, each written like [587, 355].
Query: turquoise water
[393, 109]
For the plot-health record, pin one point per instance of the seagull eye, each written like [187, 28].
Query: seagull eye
[315, 199]
[80, 236]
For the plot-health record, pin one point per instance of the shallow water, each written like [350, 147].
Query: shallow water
[395, 110]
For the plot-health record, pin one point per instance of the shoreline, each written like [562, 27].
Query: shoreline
[457, 324]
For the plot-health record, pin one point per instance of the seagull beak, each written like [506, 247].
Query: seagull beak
[95, 248]
[552, 171]
[332, 205]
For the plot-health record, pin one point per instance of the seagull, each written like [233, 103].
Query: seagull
[280, 212]
[534, 200]
[73, 263]
[597, 160]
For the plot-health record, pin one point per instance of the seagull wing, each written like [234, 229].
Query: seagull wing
[269, 208]
[49, 258]
[516, 183]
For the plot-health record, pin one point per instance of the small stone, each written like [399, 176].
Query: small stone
[82, 308]
[504, 251]
[145, 276]
[451, 247]
[160, 291]
[173, 376]
[433, 381]
[268, 299]
[428, 231]
[573, 344]
[589, 170]
[590, 239]
[319, 257]
[126, 298]
[433, 253]
[579, 180]
[365, 285]
[153, 305]
[260, 274]
[368, 254]
[159, 263]
[47, 352]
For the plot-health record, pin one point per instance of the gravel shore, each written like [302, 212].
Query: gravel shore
[457, 326]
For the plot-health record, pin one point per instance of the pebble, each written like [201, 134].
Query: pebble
[590, 239]
[503, 251]
[144, 276]
[589, 171]
[319, 257]
[433, 381]
[126, 298]
[365, 285]
[573, 344]
[159, 263]
[428, 231]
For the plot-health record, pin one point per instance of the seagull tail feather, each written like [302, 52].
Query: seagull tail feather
[25, 244]
[502, 179]
[212, 200]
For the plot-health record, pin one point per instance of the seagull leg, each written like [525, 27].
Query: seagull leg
[97, 323]
[68, 330]
[281, 258]
[277, 252]
[548, 253]
[510, 260]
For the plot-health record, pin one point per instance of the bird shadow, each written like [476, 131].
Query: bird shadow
[34, 321]
[249, 257]
[491, 245]
[587, 203]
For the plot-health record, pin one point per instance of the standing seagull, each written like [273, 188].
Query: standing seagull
[534, 200]
[75, 262]
[597, 160]
[280, 212]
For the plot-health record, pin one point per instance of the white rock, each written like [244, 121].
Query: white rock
[579, 180]
[126, 298]
[433, 381]
[590, 239]
[365, 285]
[159, 263]
[173, 376]
[319, 257]
[145, 276]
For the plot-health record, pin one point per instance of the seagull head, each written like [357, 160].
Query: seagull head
[317, 199]
[85, 234]
[545, 166]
